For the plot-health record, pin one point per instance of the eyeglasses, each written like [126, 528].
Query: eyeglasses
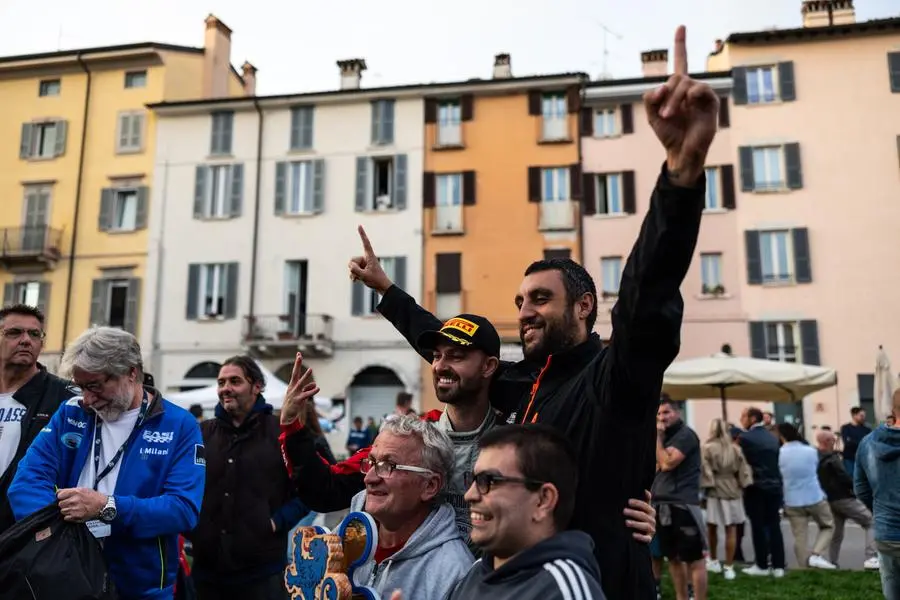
[14, 333]
[93, 387]
[486, 481]
[386, 468]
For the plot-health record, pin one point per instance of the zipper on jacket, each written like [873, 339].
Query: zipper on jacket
[162, 562]
[534, 389]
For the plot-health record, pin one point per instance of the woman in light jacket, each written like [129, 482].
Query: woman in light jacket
[724, 476]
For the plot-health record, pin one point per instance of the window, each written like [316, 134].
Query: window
[449, 124]
[381, 183]
[761, 85]
[302, 127]
[49, 87]
[448, 202]
[609, 194]
[36, 213]
[218, 191]
[711, 273]
[555, 184]
[222, 129]
[713, 189]
[775, 256]
[782, 342]
[382, 122]
[123, 208]
[611, 274]
[135, 79]
[43, 140]
[212, 291]
[115, 302]
[301, 188]
[32, 293]
[894, 71]
[365, 301]
[555, 117]
[605, 124]
[767, 168]
[448, 285]
[130, 134]
[556, 210]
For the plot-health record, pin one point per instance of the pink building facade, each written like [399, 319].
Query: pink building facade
[799, 240]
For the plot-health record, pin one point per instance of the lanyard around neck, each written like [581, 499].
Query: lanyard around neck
[98, 443]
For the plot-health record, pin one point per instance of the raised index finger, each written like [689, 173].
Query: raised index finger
[681, 62]
[367, 245]
[298, 367]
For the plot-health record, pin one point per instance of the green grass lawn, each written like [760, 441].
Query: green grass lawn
[796, 585]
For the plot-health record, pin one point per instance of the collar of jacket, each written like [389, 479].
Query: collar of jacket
[33, 388]
[672, 429]
[570, 359]
[259, 407]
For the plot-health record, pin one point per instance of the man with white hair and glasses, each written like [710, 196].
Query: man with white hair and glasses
[122, 459]
[420, 550]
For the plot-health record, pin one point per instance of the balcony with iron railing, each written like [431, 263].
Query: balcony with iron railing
[30, 246]
[279, 336]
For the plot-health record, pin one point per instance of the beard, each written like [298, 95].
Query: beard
[558, 334]
[117, 404]
[462, 393]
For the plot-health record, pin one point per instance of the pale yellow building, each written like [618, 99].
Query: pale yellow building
[77, 153]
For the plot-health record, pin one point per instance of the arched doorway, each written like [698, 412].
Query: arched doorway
[373, 393]
[204, 373]
[285, 371]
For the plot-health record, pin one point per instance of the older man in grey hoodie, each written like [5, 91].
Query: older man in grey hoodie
[420, 549]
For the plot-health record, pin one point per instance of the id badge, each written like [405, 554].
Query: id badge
[99, 529]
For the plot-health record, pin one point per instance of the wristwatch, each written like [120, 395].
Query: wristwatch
[108, 512]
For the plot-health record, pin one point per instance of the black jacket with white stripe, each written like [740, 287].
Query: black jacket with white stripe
[560, 568]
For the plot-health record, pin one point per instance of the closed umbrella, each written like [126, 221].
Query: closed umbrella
[884, 385]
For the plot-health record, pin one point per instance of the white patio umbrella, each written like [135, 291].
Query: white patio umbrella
[884, 385]
[737, 378]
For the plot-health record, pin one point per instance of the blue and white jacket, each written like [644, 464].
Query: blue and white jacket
[158, 492]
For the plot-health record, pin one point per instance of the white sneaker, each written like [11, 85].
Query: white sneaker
[713, 566]
[756, 571]
[729, 573]
[817, 562]
[872, 564]
[777, 573]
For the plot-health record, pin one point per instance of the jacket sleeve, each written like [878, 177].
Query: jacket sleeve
[564, 578]
[707, 477]
[319, 485]
[177, 507]
[841, 476]
[861, 486]
[646, 320]
[407, 317]
[289, 514]
[37, 477]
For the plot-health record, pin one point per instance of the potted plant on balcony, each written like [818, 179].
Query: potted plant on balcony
[717, 290]
[607, 296]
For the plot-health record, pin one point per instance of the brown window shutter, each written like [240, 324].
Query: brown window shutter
[534, 102]
[626, 111]
[448, 268]
[629, 201]
[467, 107]
[573, 96]
[587, 121]
[468, 188]
[575, 191]
[724, 114]
[588, 193]
[534, 184]
[551, 253]
[428, 191]
[729, 200]
[430, 110]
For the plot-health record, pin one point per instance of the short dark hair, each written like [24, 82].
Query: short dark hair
[576, 280]
[755, 415]
[250, 368]
[789, 432]
[666, 399]
[196, 410]
[404, 399]
[855, 411]
[24, 310]
[543, 454]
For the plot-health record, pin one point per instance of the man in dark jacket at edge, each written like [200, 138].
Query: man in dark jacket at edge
[240, 542]
[604, 398]
[29, 395]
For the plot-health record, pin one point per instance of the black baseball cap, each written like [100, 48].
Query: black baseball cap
[468, 331]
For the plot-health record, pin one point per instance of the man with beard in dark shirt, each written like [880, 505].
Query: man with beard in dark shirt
[603, 398]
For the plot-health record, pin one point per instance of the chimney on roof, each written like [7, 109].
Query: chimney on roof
[718, 45]
[502, 66]
[351, 72]
[249, 75]
[655, 63]
[825, 13]
[216, 58]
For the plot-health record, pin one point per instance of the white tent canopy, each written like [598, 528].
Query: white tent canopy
[208, 397]
[737, 378]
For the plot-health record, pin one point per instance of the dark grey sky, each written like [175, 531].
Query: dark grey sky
[295, 43]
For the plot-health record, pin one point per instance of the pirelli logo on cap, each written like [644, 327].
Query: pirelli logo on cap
[467, 327]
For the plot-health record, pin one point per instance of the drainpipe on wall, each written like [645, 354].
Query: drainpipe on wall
[155, 352]
[580, 225]
[256, 207]
[78, 184]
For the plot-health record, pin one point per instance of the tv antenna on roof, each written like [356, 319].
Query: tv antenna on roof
[606, 33]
